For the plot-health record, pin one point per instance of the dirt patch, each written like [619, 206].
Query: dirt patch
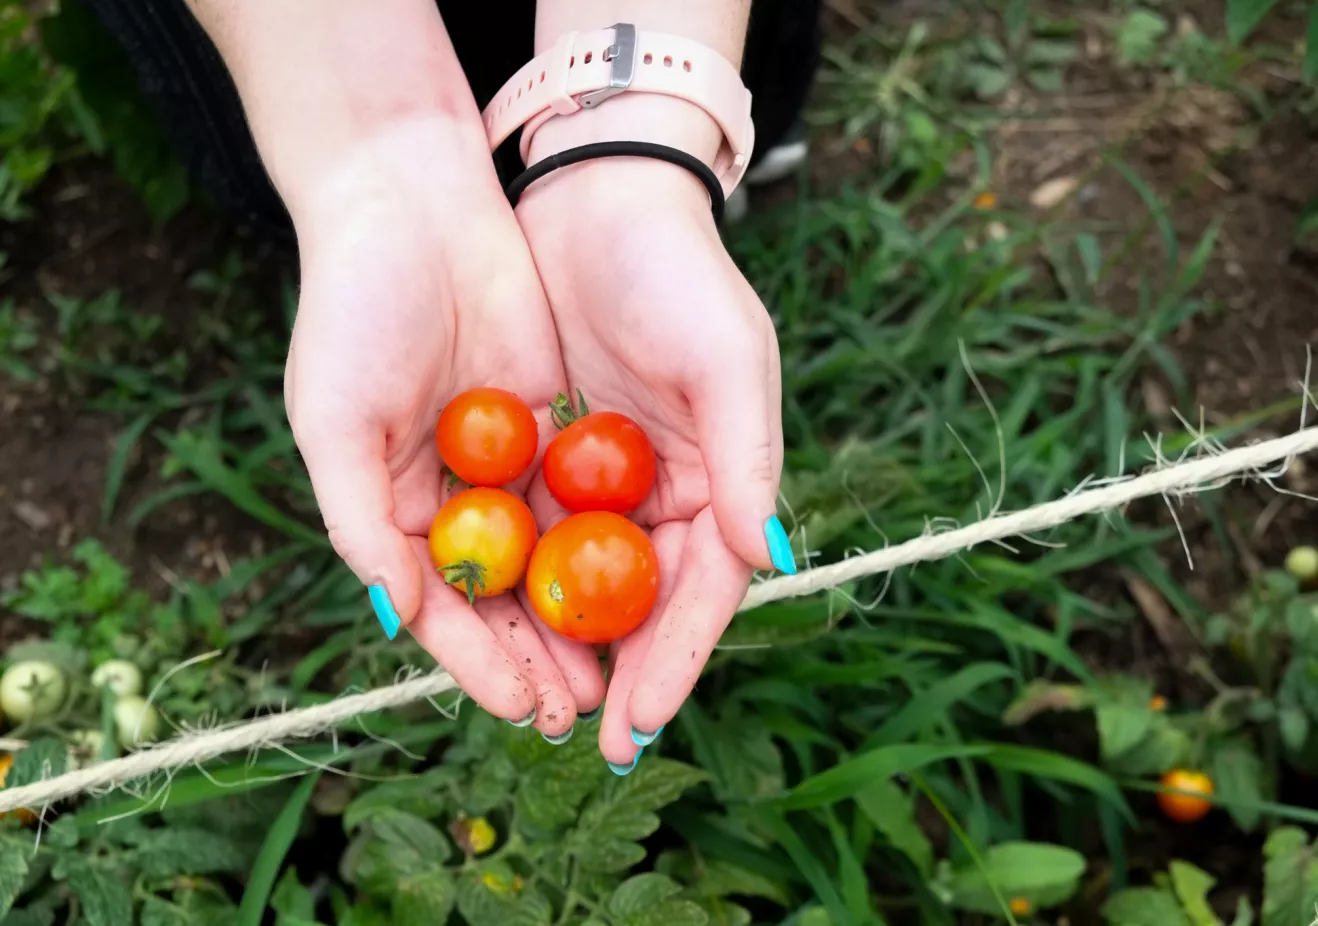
[93, 235]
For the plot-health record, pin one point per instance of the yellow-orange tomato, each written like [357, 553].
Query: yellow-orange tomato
[481, 540]
[1021, 906]
[593, 577]
[1157, 704]
[1185, 808]
[487, 436]
[22, 814]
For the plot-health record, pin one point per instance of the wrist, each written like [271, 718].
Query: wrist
[317, 84]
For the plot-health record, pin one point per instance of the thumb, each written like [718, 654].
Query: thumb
[738, 412]
[354, 491]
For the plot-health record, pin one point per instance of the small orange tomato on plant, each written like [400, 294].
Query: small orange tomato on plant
[487, 436]
[1185, 808]
[481, 540]
[1157, 704]
[600, 461]
[593, 577]
[1020, 906]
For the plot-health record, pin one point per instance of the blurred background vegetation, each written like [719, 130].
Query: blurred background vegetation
[1039, 242]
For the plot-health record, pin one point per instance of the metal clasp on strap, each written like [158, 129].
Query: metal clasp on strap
[622, 58]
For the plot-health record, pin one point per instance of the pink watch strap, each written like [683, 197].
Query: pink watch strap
[584, 69]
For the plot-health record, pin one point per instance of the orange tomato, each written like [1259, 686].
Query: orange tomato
[1021, 906]
[487, 436]
[1157, 704]
[1185, 808]
[481, 540]
[593, 577]
[22, 814]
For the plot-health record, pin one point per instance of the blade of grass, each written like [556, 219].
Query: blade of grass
[925, 707]
[118, 462]
[270, 860]
[850, 776]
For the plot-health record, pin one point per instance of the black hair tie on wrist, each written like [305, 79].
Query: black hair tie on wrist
[620, 149]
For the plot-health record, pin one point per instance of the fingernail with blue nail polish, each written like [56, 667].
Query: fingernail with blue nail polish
[525, 721]
[590, 715]
[645, 739]
[560, 739]
[384, 610]
[780, 548]
[621, 770]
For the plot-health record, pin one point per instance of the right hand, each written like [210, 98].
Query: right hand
[417, 284]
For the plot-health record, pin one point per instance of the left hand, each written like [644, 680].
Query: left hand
[655, 321]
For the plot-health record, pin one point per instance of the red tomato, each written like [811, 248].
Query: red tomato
[481, 540]
[601, 461]
[593, 577]
[487, 436]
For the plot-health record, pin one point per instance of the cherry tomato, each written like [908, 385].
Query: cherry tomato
[600, 461]
[1021, 906]
[487, 436]
[1185, 808]
[593, 577]
[22, 814]
[480, 541]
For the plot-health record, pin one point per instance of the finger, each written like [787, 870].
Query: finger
[711, 583]
[555, 708]
[578, 663]
[451, 631]
[617, 744]
[354, 490]
[737, 406]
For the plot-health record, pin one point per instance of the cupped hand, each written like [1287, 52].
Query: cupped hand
[417, 284]
[655, 321]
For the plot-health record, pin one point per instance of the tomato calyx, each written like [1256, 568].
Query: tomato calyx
[562, 411]
[468, 571]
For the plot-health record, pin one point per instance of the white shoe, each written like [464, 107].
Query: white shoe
[779, 162]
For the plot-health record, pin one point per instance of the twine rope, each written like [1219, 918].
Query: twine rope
[1167, 480]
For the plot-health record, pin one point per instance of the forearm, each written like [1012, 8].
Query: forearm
[718, 24]
[319, 79]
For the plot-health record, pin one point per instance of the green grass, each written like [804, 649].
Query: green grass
[881, 754]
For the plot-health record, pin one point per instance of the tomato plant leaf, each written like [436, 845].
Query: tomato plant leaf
[552, 796]
[1145, 906]
[642, 891]
[187, 851]
[423, 796]
[1192, 885]
[1237, 774]
[105, 896]
[13, 871]
[623, 812]
[425, 897]
[1243, 17]
[291, 900]
[1290, 878]
[41, 759]
[1046, 875]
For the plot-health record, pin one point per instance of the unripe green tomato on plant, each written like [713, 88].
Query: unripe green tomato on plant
[86, 747]
[120, 676]
[136, 721]
[1302, 563]
[32, 691]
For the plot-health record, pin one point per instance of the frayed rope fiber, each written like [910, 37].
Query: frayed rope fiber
[195, 748]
